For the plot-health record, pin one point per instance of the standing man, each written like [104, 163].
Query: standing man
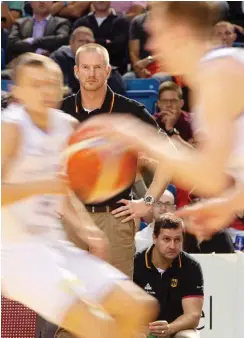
[65, 58]
[174, 278]
[94, 98]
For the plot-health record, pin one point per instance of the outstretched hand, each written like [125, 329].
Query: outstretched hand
[208, 217]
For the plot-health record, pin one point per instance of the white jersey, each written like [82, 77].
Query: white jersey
[236, 161]
[38, 158]
[38, 268]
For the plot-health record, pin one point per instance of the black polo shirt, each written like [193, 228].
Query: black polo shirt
[72, 105]
[183, 279]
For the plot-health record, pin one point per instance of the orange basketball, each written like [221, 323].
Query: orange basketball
[98, 169]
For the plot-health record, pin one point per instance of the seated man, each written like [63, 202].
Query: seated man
[144, 65]
[224, 34]
[110, 30]
[166, 203]
[65, 58]
[174, 278]
[171, 118]
[11, 11]
[129, 8]
[71, 10]
[41, 33]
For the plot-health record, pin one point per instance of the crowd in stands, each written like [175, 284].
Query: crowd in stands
[59, 28]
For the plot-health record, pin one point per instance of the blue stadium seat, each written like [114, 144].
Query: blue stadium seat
[238, 44]
[5, 85]
[142, 84]
[2, 59]
[143, 225]
[147, 97]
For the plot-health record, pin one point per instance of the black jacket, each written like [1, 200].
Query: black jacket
[114, 28]
[66, 60]
[72, 105]
[56, 34]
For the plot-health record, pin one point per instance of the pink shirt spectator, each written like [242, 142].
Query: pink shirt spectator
[124, 6]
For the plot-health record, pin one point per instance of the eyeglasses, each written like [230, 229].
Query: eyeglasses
[166, 205]
[170, 101]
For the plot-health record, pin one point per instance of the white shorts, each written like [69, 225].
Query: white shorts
[49, 280]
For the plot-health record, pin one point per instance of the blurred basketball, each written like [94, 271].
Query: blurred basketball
[98, 169]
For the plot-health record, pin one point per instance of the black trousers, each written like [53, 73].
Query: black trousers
[44, 329]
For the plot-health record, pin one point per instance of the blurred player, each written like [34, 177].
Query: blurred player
[40, 268]
[208, 217]
[216, 78]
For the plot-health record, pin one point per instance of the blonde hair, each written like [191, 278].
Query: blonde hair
[201, 15]
[35, 60]
[170, 86]
[92, 47]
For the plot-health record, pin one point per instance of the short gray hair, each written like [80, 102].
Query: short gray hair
[81, 29]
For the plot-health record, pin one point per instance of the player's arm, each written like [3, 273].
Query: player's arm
[236, 198]
[79, 219]
[221, 94]
[11, 193]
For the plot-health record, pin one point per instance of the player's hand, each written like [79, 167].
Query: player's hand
[160, 328]
[208, 217]
[98, 243]
[124, 129]
[132, 209]
[140, 65]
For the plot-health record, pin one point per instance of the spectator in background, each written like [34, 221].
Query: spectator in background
[166, 203]
[41, 33]
[10, 12]
[224, 34]
[71, 10]
[65, 58]
[174, 278]
[129, 8]
[110, 30]
[144, 65]
[171, 118]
